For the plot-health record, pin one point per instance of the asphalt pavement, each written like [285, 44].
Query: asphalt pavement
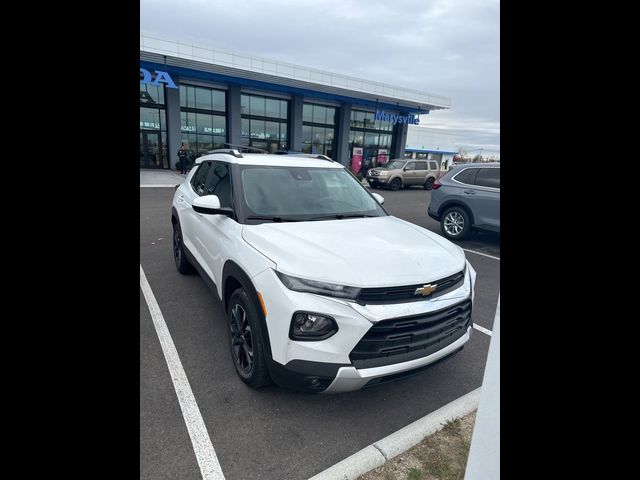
[275, 433]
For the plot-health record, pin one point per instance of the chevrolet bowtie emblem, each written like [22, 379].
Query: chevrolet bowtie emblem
[425, 290]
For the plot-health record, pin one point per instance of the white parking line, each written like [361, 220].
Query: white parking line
[202, 446]
[482, 329]
[483, 254]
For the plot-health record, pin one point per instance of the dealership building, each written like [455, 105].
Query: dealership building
[431, 143]
[210, 98]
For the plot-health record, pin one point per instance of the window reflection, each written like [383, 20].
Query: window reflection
[318, 129]
[203, 122]
[263, 122]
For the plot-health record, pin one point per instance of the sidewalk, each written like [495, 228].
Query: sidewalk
[160, 178]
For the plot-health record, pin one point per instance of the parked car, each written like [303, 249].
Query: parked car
[467, 197]
[293, 245]
[400, 173]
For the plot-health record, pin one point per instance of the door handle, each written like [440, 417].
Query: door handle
[181, 198]
[470, 192]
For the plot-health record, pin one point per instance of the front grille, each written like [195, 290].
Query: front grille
[407, 338]
[407, 293]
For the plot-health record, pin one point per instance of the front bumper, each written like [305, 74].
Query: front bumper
[378, 180]
[350, 378]
[325, 366]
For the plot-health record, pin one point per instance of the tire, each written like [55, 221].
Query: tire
[182, 264]
[428, 185]
[245, 340]
[396, 184]
[455, 223]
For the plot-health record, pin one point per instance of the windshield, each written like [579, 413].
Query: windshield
[394, 164]
[281, 193]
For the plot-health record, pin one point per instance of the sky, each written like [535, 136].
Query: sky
[442, 47]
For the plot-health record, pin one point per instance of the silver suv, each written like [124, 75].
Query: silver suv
[404, 173]
[467, 197]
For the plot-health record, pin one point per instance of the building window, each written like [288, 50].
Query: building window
[203, 120]
[372, 139]
[318, 129]
[264, 122]
[153, 128]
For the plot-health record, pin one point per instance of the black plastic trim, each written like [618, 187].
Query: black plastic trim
[396, 377]
[232, 269]
[299, 374]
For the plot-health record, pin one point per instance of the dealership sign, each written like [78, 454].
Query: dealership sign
[388, 117]
[161, 77]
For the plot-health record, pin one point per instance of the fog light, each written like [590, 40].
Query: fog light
[311, 326]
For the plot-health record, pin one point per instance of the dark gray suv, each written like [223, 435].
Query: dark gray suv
[467, 197]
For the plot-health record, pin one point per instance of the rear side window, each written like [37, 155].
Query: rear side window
[488, 177]
[421, 165]
[468, 176]
[433, 166]
[199, 179]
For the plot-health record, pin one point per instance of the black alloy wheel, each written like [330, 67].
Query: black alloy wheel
[245, 340]
[241, 340]
[182, 264]
[428, 185]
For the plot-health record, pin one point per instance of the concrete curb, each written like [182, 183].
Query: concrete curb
[398, 442]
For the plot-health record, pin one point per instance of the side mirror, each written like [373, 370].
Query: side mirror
[378, 197]
[210, 205]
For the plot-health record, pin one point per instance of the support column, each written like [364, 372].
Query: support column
[295, 141]
[234, 123]
[174, 135]
[400, 135]
[342, 134]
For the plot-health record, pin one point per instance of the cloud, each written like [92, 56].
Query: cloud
[443, 47]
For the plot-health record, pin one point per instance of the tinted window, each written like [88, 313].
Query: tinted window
[219, 183]
[421, 165]
[200, 177]
[467, 176]
[433, 165]
[411, 166]
[488, 177]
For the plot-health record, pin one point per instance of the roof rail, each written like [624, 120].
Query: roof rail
[228, 151]
[302, 154]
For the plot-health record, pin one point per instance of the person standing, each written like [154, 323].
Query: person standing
[182, 156]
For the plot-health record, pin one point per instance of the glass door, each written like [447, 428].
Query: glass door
[151, 153]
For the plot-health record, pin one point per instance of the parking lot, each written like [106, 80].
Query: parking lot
[275, 433]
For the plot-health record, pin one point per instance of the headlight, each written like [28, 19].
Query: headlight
[383, 174]
[311, 326]
[321, 288]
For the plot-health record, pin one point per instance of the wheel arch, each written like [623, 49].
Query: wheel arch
[234, 277]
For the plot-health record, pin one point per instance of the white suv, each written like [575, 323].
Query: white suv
[324, 291]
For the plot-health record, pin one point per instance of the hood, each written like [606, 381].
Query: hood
[360, 252]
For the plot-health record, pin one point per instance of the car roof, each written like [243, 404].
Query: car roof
[268, 159]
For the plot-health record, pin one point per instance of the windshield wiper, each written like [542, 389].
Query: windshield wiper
[273, 219]
[340, 216]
